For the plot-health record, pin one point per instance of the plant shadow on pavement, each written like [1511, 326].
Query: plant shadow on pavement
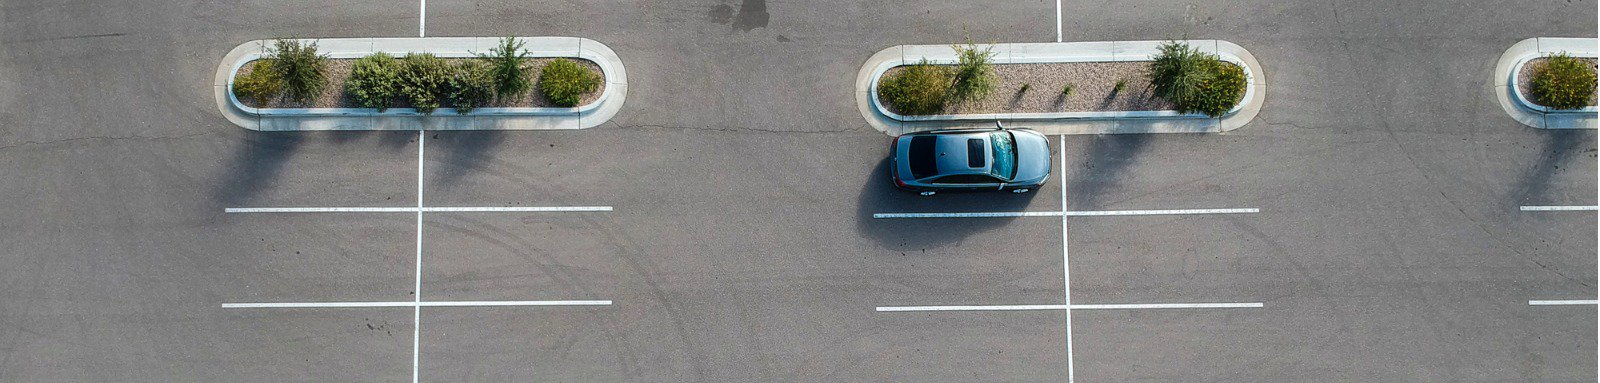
[463, 151]
[1107, 158]
[879, 195]
[260, 159]
[1558, 148]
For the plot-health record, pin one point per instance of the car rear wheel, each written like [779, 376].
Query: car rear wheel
[926, 193]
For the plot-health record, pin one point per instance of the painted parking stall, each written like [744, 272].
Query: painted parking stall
[1066, 275]
[417, 302]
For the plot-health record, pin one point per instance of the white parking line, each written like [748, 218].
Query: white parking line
[422, 21]
[300, 305]
[1066, 266]
[1102, 213]
[1058, 39]
[419, 209]
[1124, 306]
[416, 295]
[1083, 213]
[1560, 208]
[1575, 302]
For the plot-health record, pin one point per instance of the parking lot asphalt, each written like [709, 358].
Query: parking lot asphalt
[1389, 244]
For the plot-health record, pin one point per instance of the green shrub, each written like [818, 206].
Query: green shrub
[1563, 82]
[471, 86]
[1195, 81]
[425, 80]
[1066, 90]
[303, 71]
[374, 81]
[506, 69]
[974, 74]
[1220, 93]
[564, 82]
[261, 85]
[1025, 87]
[1122, 84]
[919, 89]
[1178, 71]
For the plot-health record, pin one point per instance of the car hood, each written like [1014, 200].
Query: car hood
[1033, 157]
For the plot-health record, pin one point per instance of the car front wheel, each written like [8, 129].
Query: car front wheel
[1022, 190]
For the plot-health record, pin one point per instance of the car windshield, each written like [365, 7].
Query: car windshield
[1005, 155]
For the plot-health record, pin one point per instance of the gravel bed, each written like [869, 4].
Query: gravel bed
[1092, 85]
[333, 95]
[1525, 77]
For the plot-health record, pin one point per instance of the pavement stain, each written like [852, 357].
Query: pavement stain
[380, 327]
[752, 14]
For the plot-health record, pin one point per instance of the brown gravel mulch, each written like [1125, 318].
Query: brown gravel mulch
[1525, 77]
[333, 95]
[1092, 85]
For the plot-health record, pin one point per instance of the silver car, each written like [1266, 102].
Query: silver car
[1017, 160]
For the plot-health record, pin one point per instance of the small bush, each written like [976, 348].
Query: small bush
[261, 85]
[974, 76]
[303, 71]
[1122, 84]
[471, 86]
[510, 76]
[425, 80]
[564, 82]
[374, 81]
[919, 89]
[1563, 82]
[1218, 94]
[1195, 81]
[1066, 90]
[1178, 70]
[1025, 87]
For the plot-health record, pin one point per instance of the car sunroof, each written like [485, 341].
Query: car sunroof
[921, 156]
[974, 152]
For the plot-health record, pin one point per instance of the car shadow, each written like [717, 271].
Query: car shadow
[1557, 149]
[879, 195]
[1106, 159]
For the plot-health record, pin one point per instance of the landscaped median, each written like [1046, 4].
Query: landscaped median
[444, 83]
[1549, 83]
[1183, 86]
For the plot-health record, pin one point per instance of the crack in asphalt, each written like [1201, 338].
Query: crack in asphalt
[93, 138]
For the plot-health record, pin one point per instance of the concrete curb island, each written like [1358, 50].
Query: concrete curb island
[1508, 92]
[306, 119]
[1117, 122]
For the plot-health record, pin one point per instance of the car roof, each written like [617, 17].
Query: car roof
[950, 152]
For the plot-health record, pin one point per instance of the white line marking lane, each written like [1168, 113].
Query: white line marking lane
[416, 295]
[297, 305]
[1066, 265]
[1575, 302]
[1561, 208]
[1082, 213]
[1124, 306]
[433, 209]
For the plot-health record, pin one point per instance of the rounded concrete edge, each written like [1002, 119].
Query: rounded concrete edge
[864, 80]
[316, 119]
[1255, 97]
[1503, 83]
[616, 85]
[224, 77]
[1066, 122]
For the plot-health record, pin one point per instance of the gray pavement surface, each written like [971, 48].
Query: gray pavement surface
[1389, 246]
